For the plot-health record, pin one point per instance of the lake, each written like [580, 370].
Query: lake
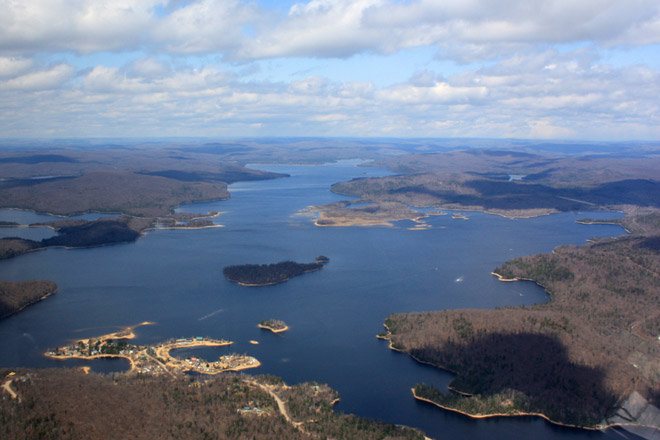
[174, 277]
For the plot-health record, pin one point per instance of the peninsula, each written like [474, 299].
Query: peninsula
[15, 296]
[154, 359]
[252, 275]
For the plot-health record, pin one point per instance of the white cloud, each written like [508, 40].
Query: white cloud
[10, 67]
[206, 26]
[464, 30]
[319, 28]
[82, 26]
[516, 97]
[436, 93]
[166, 73]
[149, 67]
[40, 80]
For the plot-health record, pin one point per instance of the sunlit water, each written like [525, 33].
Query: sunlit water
[174, 277]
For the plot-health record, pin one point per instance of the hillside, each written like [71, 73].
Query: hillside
[111, 191]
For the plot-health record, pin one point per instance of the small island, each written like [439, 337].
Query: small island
[267, 274]
[274, 325]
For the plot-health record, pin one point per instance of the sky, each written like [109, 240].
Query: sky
[542, 69]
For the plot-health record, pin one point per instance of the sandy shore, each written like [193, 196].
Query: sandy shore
[516, 414]
[154, 359]
[280, 330]
[125, 333]
[184, 227]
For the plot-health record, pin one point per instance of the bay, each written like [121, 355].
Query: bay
[174, 277]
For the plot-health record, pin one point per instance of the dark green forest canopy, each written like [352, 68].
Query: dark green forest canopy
[267, 274]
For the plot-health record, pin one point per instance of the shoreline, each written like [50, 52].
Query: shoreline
[183, 227]
[31, 303]
[156, 359]
[519, 414]
[345, 221]
[613, 222]
[510, 280]
[258, 285]
[398, 350]
[240, 283]
[265, 327]
[91, 357]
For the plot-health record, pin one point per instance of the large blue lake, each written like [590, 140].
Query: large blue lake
[174, 277]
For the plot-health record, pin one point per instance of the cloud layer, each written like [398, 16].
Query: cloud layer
[154, 68]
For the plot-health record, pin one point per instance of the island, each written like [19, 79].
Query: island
[154, 359]
[253, 275]
[15, 296]
[587, 358]
[274, 325]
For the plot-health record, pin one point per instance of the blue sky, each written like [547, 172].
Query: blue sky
[416, 68]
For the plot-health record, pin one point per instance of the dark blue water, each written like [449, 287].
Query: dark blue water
[174, 277]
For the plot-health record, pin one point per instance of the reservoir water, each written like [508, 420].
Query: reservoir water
[174, 277]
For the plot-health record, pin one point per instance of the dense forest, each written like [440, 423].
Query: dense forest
[570, 359]
[267, 274]
[70, 405]
[15, 296]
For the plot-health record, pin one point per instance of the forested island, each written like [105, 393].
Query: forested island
[15, 296]
[274, 325]
[587, 358]
[268, 274]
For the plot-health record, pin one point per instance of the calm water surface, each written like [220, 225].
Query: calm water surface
[175, 279]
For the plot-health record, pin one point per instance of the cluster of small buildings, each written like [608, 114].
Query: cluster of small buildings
[155, 360]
